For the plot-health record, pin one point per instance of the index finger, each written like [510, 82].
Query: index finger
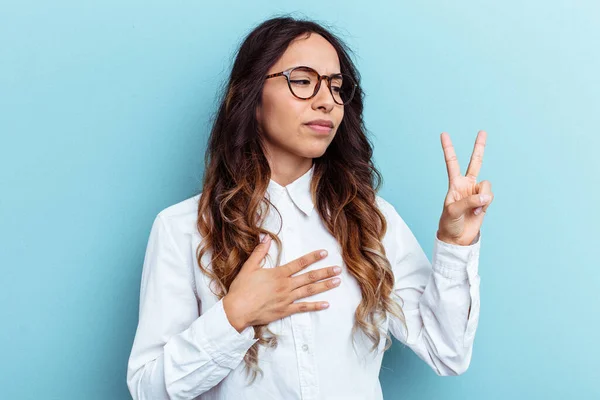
[300, 263]
[477, 156]
[450, 156]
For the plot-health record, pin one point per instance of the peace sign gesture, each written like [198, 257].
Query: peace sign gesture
[467, 201]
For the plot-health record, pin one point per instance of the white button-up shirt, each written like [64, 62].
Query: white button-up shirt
[185, 347]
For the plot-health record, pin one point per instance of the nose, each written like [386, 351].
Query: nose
[323, 98]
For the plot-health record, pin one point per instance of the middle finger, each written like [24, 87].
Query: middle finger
[314, 276]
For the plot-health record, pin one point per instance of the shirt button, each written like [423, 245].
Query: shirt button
[305, 347]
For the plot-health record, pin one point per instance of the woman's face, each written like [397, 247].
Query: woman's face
[283, 118]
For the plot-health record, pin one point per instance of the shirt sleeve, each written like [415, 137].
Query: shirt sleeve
[177, 353]
[441, 299]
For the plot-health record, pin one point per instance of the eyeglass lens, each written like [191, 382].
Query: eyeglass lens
[304, 80]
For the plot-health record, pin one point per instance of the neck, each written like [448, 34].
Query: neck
[286, 169]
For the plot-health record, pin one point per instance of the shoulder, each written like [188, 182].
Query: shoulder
[393, 218]
[388, 210]
[180, 218]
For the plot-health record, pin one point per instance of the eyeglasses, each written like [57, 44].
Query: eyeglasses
[304, 83]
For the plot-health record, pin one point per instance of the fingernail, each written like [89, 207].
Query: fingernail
[323, 253]
[266, 238]
[484, 198]
[336, 281]
[337, 270]
[478, 210]
[324, 305]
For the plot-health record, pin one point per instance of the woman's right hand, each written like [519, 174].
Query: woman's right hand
[259, 295]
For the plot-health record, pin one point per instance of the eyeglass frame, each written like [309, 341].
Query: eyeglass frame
[328, 78]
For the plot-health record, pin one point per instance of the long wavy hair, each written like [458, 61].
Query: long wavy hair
[344, 184]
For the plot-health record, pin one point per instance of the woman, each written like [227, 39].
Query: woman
[224, 315]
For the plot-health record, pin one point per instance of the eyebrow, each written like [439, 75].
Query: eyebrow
[304, 65]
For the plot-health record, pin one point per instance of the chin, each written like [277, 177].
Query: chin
[314, 152]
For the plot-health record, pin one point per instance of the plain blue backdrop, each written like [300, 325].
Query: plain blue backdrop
[104, 115]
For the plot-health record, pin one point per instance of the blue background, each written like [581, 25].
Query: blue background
[104, 115]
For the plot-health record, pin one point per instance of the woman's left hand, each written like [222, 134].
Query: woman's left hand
[465, 204]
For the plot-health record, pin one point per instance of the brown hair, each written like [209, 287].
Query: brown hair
[344, 184]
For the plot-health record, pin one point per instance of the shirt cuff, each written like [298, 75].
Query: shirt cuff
[225, 345]
[455, 261]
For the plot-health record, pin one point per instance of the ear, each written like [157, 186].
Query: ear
[259, 114]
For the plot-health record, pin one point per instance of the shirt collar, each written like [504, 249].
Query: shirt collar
[298, 190]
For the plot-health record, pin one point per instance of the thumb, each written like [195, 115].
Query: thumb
[259, 252]
[461, 207]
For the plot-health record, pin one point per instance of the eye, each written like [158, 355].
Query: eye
[300, 82]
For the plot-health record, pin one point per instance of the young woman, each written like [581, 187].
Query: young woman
[226, 315]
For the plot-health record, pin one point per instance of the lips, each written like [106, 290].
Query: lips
[320, 129]
[321, 123]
